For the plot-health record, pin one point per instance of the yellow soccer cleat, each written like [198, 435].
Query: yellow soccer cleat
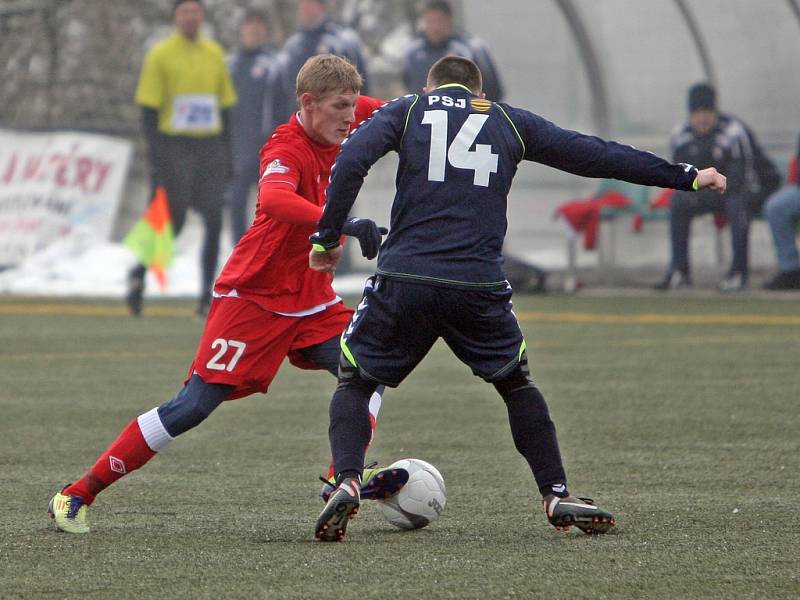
[69, 513]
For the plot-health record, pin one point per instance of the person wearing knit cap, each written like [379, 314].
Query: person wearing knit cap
[710, 138]
[702, 97]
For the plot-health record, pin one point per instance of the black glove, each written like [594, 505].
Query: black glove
[368, 234]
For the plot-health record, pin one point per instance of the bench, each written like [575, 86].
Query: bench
[644, 204]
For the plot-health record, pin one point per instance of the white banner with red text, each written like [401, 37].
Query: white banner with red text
[56, 185]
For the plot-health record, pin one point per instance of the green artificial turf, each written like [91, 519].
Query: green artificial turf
[671, 414]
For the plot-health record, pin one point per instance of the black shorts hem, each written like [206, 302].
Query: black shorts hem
[501, 374]
[366, 375]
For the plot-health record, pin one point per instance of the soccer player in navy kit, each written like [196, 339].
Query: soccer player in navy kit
[440, 268]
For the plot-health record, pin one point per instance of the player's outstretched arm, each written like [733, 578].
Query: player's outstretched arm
[711, 179]
[591, 156]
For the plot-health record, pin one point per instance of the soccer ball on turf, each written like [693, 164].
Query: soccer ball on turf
[420, 501]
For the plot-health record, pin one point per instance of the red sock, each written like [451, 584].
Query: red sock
[128, 452]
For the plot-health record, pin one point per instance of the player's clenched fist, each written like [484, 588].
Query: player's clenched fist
[324, 261]
[711, 179]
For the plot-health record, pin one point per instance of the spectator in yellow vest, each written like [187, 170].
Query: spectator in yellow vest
[185, 91]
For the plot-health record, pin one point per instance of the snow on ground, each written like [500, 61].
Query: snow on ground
[80, 265]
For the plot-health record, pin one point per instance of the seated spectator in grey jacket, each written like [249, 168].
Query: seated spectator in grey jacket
[438, 38]
[710, 138]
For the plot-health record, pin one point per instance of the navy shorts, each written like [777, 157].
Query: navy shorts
[397, 322]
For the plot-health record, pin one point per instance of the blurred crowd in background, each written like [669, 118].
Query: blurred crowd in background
[74, 64]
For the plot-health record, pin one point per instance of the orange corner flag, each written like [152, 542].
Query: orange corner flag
[152, 239]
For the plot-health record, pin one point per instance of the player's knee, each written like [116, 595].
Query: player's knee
[192, 405]
[350, 376]
[523, 399]
[327, 355]
[518, 378]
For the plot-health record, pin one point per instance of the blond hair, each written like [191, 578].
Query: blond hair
[325, 74]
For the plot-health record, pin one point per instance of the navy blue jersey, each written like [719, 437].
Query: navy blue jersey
[458, 156]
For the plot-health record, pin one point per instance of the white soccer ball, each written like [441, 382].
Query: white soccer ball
[420, 501]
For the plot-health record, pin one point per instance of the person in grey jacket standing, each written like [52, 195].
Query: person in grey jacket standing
[251, 66]
[438, 38]
[317, 33]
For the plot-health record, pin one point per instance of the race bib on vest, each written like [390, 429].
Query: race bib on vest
[196, 113]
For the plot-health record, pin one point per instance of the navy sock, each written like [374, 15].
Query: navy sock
[348, 474]
[535, 438]
[350, 427]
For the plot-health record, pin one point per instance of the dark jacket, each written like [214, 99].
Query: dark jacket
[326, 38]
[731, 147]
[251, 119]
[421, 55]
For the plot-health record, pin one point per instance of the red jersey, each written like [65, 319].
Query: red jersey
[269, 265]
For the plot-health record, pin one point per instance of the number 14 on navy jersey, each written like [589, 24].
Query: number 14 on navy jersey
[458, 155]
[482, 161]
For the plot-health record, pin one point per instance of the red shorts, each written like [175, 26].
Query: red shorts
[244, 345]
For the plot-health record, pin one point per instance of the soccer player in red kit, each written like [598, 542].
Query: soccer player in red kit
[267, 303]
